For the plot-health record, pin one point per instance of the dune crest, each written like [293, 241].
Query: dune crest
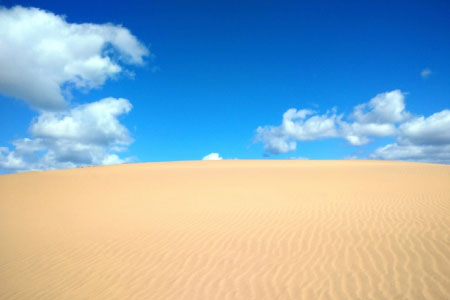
[227, 230]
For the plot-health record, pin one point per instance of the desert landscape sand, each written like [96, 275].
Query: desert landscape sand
[227, 230]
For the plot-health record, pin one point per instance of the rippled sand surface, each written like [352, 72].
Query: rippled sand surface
[227, 230]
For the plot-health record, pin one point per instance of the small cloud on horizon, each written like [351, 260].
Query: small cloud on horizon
[212, 156]
[426, 73]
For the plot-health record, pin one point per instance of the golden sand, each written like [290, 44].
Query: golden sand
[227, 230]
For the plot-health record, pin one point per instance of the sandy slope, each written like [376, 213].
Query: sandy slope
[227, 230]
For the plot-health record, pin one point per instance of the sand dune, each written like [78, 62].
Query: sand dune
[227, 230]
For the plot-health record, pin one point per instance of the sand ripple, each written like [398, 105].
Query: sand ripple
[227, 230]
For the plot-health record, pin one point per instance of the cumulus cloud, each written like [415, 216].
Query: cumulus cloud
[418, 138]
[384, 108]
[94, 123]
[425, 73]
[89, 134]
[212, 156]
[377, 118]
[42, 55]
[296, 126]
[434, 130]
[411, 152]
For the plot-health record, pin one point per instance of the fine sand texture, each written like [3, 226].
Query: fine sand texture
[227, 230]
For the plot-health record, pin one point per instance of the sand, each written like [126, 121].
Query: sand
[227, 230]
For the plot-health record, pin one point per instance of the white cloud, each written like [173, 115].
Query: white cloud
[296, 126]
[42, 55]
[377, 118]
[384, 108]
[358, 134]
[411, 152]
[425, 73]
[420, 139]
[95, 123]
[212, 156]
[417, 138]
[434, 130]
[89, 134]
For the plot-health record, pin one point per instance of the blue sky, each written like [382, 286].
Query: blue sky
[219, 70]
